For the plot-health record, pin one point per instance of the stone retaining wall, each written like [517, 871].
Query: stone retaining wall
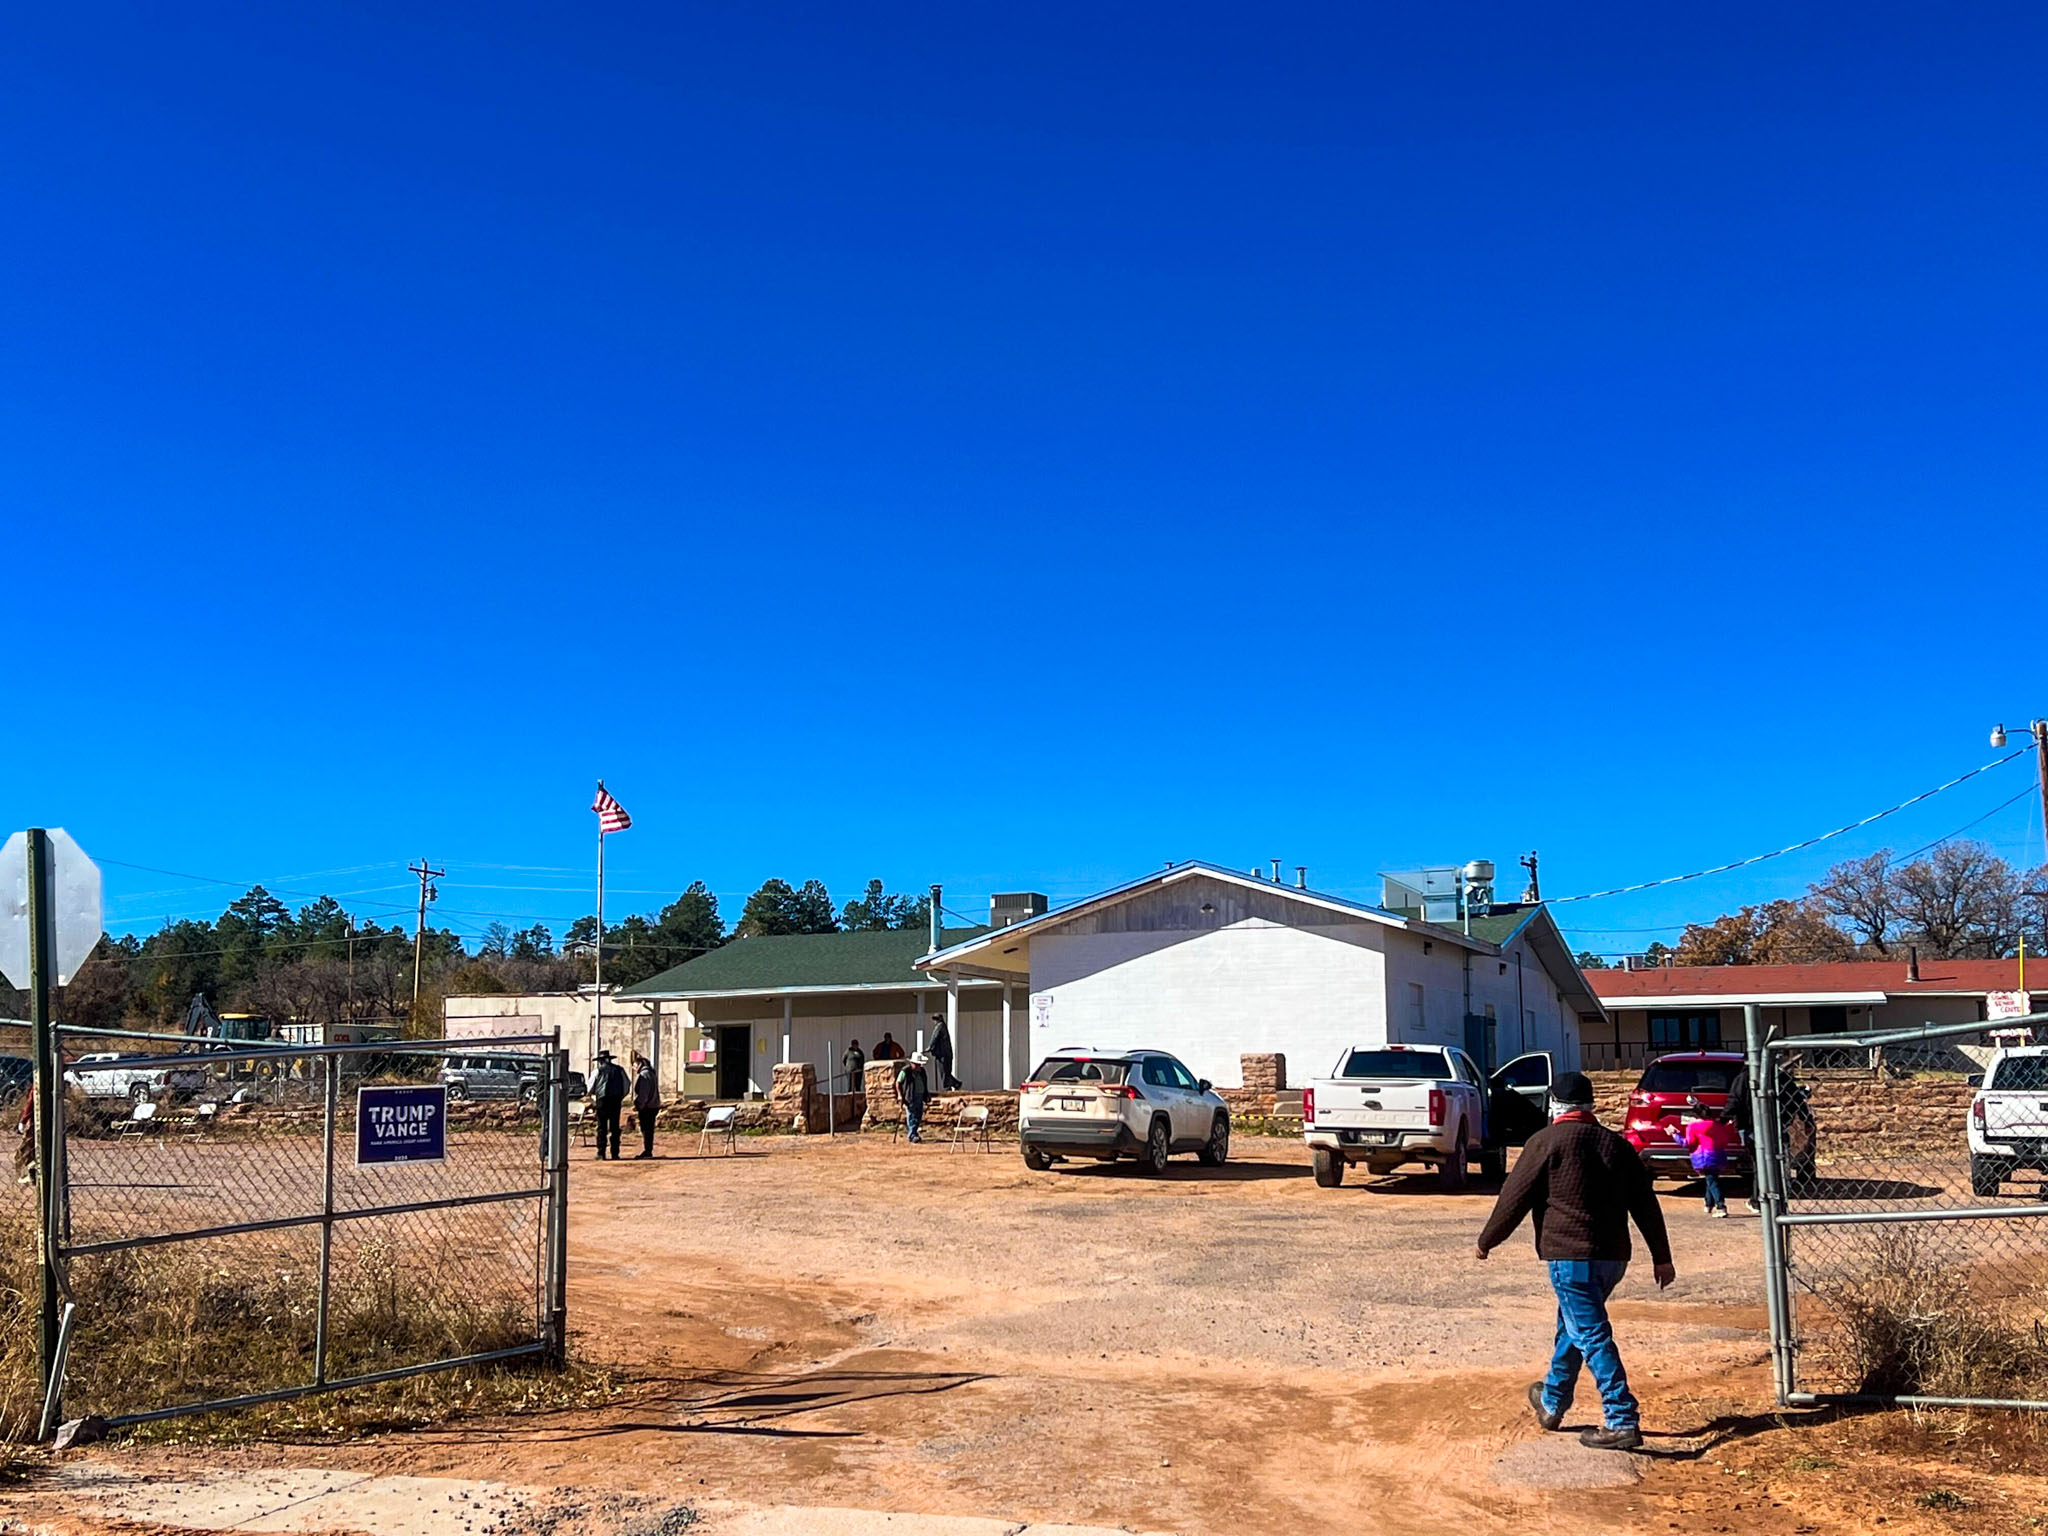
[1855, 1113]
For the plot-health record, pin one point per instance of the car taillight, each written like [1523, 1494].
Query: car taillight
[1977, 1112]
[1126, 1091]
[1030, 1087]
[1308, 1105]
[1436, 1106]
[1639, 1100]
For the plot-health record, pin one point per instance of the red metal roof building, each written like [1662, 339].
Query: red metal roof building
[1675, 1007]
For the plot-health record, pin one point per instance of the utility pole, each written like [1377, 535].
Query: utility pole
[348, 1013]
[427, 874]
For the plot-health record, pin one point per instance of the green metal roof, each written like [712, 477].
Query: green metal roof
[868, 958]
[1495, 927]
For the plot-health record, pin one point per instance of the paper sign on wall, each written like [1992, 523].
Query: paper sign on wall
[2007, 1005]
[1041, 1010]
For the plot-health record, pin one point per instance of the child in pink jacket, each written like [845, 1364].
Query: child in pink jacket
[1712, 1144]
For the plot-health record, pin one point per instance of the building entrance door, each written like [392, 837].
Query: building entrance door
[735, 1053]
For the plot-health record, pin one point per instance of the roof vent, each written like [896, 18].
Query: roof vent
[1007, 907]
[1912, 962]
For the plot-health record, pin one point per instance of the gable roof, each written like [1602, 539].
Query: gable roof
[1490, 933]
[1826, 981]
[803, 962]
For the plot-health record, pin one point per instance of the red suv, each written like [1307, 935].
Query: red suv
[1686, 1085]
[1691, 1085]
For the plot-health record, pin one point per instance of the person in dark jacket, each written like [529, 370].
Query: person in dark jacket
[608, 1093]
[913, 1088]
[646, 1103]
[855, 1064]
[1581, 1183]
[888, 1049]
[941, 1052]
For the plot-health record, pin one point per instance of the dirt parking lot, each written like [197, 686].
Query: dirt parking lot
[869, 1324]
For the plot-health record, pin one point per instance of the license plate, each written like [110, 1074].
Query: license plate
[1373, 1138]
[1074, 1106]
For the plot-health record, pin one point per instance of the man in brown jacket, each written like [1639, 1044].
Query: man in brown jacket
[1582, 1182]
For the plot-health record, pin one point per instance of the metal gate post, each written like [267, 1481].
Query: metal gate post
[42, 961]
[555, 1226]
[329, 1066]
[1769, 1177]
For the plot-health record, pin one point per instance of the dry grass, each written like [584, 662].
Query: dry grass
[216, 1318]
[1910, 1324]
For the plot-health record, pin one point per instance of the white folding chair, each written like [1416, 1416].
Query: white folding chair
[722, 1121]
[971, 1124]
[579, 1120]
[203, 1116]
[139, 1121]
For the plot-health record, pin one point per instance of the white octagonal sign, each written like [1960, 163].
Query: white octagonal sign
[75, 889]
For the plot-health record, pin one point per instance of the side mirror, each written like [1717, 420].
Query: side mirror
[1202, 1083]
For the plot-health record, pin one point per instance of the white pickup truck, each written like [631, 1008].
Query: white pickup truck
[2009, 1117]
[1385, 1105]
[100, 1076]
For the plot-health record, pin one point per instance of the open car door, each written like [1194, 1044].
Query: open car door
[1518, 1100]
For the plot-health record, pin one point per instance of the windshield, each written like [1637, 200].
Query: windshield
[1081, 1069]
[1688, 1077]
[1397, 1064]
[2029, 1073]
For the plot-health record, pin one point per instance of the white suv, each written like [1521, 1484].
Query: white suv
[1083, 1102]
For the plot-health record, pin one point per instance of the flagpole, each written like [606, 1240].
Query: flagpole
[597, 1032]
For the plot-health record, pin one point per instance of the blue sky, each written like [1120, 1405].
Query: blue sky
[1016, 447]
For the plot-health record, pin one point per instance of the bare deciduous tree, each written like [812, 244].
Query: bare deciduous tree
[1858, 894]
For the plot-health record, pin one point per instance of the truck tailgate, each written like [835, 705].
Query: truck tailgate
[1344, 1103]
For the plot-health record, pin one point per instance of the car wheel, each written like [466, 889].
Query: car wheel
[457, 1091]
[530, 1094]
[1451, 1171]
[1493, 1163]
[138, 1092]
[1329, 1168]
[1987, 1173]
[1216, 1151]
[1158, 1148]
[1036, 1160]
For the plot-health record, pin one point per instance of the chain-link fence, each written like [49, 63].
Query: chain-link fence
[1904, 1183]
[237, 1228]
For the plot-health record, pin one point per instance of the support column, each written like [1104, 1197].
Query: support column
[953, 1020]
[1009, 1067]
[787, 1004]
[917, 1025]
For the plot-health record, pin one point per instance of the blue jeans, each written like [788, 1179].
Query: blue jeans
[1584, 1336]
[913, 1121]
[1716, 1201]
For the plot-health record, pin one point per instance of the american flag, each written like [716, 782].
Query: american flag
[611, 816]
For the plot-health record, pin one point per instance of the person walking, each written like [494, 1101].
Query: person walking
[608, 1093]
[1582, 1183]
[646, 1103]
[855, 1064]
[912, 1089]
[1739, 1114]
[1711, 1141]
[887, 1049]
[941, 1052]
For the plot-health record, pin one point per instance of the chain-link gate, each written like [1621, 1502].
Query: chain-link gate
[239, 1224]
[1903, 1178]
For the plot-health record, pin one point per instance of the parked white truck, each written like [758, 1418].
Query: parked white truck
[2009, 1117]
[1386, 1105]
[100, 1075]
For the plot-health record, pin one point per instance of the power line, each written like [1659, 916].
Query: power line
[1778, 853]
[1959, 831]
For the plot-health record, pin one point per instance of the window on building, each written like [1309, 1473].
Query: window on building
[1831, 1020]
[1685, 1031]
[1418, 1017]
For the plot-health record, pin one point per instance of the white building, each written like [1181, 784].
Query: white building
[629, 1026]
[1210, 963]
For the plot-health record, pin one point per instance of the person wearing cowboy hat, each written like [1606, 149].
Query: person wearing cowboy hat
[913, 1089]
[608, 1093]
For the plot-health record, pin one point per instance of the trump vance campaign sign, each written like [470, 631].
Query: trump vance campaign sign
[407, 1124]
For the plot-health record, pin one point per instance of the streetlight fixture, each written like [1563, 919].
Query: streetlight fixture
[2038, 729]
